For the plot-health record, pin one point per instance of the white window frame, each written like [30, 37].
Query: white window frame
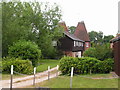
[87, 44]
[74, 44]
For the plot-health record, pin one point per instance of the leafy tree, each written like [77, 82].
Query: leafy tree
[107, 39]
[100, 52]
[25, 50]
[72, 29]
[30, 21]
[96, 37]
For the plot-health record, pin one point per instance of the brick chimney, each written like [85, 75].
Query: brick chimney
[63, 25]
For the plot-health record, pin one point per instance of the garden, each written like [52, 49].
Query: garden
[31, 45]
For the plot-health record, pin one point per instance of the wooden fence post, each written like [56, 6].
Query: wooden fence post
[57, 70]
[71, 77]
[48, 72]
[11, 77]
[34, 76]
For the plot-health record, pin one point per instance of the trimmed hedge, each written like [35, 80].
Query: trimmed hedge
[21, 66]
[85, 65]
[25, 50]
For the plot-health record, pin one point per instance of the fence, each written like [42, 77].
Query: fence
[35, 77]
[38, 76]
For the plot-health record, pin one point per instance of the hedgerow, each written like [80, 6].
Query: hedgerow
[21, 66]
[85, 65]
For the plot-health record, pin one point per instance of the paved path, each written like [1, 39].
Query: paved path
[28, 80]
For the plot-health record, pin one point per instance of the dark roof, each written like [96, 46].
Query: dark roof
[115, 39]
[81, 32]
[72, 36]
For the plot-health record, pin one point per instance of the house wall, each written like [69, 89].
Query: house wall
[85, 45]
[66, 44]
[116, 49]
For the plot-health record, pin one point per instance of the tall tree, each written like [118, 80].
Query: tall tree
[72, 29]
[37, 22]
[96, 37]
[107, 39]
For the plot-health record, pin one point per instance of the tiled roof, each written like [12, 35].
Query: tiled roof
[81, 32]
[73, 37]
[63, 25]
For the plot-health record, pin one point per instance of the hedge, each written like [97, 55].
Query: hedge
[85, 65]
[21, 66]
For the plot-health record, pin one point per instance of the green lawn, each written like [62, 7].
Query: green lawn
[43, 65]
[80, 82]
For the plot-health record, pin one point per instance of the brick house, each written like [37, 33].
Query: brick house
[115, 44]
[74, 44]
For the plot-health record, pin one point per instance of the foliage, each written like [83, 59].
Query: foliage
[96, 37]
[34, 21]
[107, 39]
[72, 29]
[104, 66]
[100, 52]
[90, 52]
[21, 66]
[25, 50]
[85, 65]
[66, 63]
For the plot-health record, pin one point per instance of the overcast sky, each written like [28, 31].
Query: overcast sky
[98, 15]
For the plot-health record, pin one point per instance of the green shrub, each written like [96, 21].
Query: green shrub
[100, 52]
[85, 65]
[21, 66]
[66, 63]
[89, 52]
[104, 66]
[25, 50]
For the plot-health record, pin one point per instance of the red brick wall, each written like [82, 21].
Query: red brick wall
[68, 53]
[116, 49]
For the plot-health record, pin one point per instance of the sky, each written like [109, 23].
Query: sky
[98, 15]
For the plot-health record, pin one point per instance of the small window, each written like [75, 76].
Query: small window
[74, 43]
[87, 44]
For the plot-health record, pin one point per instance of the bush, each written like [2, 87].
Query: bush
[104, 66]
[100, 52]
[66, 63]
[25, 50]
[21, 66]
[85, 65]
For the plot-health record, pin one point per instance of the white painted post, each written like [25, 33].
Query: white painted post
[90, 72]
[11, 77]
[48, 72]
[57, 70]
[34, 76]
[71, 77]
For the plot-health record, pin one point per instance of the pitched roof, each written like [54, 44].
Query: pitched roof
[81, 32]
[115, 39]
[63, 25]
[73, 37]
